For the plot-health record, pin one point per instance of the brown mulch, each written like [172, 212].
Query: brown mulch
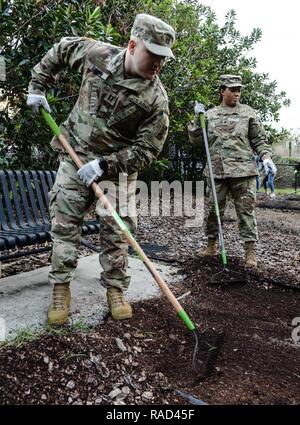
[144, 360]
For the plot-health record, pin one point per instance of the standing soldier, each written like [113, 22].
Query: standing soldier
[234, 131]
[118, 125]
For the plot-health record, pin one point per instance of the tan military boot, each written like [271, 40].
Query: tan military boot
[59, 308]
[250, 254]
[211, 249]
[120, 309]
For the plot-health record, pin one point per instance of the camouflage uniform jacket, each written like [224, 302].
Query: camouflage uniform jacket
[122, 120]
[233, 134]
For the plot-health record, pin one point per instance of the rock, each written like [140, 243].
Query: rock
[87, 363]
[162, 380]
[95, 359]
[68, 371]
[92, 380]
[137, 349]
[121, 396]
[46, 359]
[128, 379]
[70, 400]
[127, 335]
[139, 334]
[160, 376]
[147, 395]
[114, 393]
[44, 397]
[70, 385]
[105, 372]
[75, 395]
[120, 344]
[98, 401]
[126, 390]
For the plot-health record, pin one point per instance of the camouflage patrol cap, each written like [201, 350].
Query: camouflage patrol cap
[231, 81]
[157, 35]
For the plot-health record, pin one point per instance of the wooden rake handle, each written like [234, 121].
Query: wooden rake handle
[106, 204]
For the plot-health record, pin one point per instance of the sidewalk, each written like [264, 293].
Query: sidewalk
[25, 298]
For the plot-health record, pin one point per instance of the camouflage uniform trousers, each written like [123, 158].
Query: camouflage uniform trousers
[243, 192]
[69, 201]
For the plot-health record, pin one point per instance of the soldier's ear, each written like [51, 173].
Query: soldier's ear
[131, 46]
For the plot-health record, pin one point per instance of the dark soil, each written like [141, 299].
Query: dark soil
[144, 360]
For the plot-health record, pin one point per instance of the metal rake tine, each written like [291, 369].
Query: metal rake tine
[213, 352]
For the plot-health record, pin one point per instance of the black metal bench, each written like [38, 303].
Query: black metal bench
[24, 211]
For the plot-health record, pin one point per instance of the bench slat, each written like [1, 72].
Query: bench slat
[33, 205]
[15, 199]
[24, 199]
[41, 205]
[7, 202]
[3, 218]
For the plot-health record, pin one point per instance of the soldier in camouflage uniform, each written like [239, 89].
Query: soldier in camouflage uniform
[118, 125]
[233, 131]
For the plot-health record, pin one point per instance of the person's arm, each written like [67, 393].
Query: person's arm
[150, 139]
[258, 139]
[258, 142]
[69, 52]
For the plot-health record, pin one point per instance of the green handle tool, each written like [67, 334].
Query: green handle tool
[200, 110]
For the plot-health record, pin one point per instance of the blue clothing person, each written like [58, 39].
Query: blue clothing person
[268, 181]
[259, 167]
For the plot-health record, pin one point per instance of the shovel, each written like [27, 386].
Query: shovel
[150, 266]
[233, 276]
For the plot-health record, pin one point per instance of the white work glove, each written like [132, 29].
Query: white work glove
[199, 108]
[269, 164]
[37, 100]
[89, 172]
